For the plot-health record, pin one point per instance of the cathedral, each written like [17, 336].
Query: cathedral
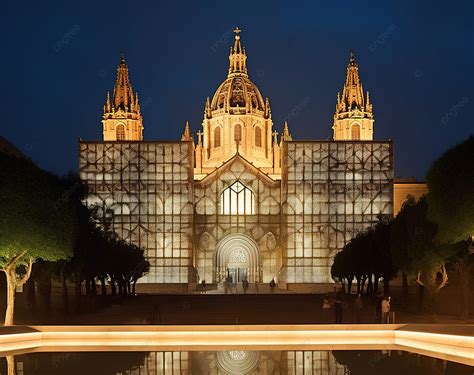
[239, 200]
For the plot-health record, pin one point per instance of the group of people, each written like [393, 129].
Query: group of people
[338, 302]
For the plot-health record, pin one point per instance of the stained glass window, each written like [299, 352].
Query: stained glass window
[237, 200]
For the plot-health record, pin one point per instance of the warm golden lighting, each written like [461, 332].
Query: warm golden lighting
[447, 346]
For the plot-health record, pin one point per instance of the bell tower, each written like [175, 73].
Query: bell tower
[122, 119]
[353, 119]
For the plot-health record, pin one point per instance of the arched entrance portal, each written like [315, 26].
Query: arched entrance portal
[237, 256]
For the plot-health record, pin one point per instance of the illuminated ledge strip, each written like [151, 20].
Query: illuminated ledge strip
[458, 348]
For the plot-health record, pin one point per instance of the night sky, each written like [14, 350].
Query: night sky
[59, 59]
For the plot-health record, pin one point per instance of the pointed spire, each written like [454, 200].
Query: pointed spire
[207, 109]
[123, 94]
[107, 107]
[237, 57]
[187, 133]
[286, 133]
[353, 92]
[267, 113]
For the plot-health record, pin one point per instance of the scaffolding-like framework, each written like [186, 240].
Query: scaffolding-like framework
[331, 191]
[146, 189]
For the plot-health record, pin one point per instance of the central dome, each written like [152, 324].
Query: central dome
[237, 91]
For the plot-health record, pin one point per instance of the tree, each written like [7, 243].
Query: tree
[36, 222]
[415, 252]
[366, 257]
[451, 193]
[451, 207]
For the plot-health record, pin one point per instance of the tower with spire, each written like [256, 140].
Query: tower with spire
[353, 119]
[236, 120]
[122, 119]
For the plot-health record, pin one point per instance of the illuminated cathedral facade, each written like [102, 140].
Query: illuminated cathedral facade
[238, 200]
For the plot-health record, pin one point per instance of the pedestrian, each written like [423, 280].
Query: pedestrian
[338, 302]
[229, 283]
[272, 285]
[358, 306]
[203, 285]
[386, 310]
[245, 285]
[327, 305]
[378, 308]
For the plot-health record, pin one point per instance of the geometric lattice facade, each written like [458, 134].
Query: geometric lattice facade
[147, 190]
[329, 191]
[332, 190]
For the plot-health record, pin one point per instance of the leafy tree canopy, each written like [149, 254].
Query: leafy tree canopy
[36, 217]
[451, 193]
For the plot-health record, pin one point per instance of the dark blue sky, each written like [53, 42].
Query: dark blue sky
[59, 59]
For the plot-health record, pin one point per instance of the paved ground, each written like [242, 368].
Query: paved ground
[220, 309]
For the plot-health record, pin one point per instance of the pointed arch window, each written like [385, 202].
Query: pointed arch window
[237, 199]
[238, 133]
[120, 133]
[258, 136]
[217, 137]
[355, 132]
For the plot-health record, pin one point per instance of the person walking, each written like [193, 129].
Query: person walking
[245, 285]
[338, 302]
[378, 308]
[327, 305]
[385, 309]
[272, 285]
[358, 306]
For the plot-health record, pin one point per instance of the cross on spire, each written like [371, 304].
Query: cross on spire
[237, 57]
[275, 135]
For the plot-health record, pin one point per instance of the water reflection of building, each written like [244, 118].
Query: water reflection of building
[241, 362]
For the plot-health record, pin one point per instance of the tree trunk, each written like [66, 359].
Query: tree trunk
[65, 292]
[113, 286]
[88, 287]
[405, 291]
[31, 295]
[44, 285]
[10, 365]
[376, 284]
[358, 285]
[102, 285]
[370, 288]
[349, 284]
[78, 290]
[421, 297]
[13, 282]
[10, 298]
[133, 288]
[465, 276]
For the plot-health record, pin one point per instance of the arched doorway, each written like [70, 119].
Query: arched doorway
[237, 256]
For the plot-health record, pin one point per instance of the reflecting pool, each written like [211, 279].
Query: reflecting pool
[365, 362]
